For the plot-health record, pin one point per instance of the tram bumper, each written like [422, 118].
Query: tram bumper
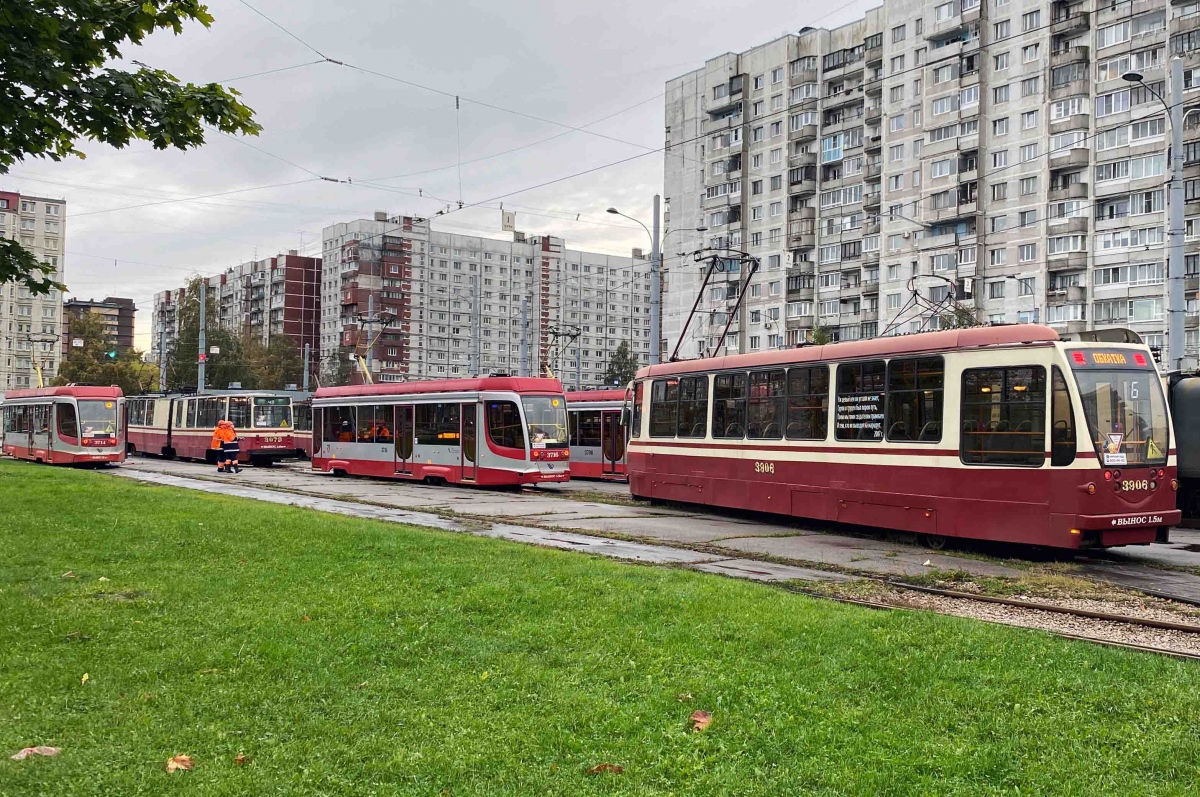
[1125, 529]
[558, 471]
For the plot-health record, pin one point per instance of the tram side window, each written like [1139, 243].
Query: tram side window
[914, 400]
[239, 412]
[437, 424]
[1062, 423]
[808, 403]
[41, 419]
[664, 407]
[191, 413]
[729, 406]
[636, 420]
[338, 425]
[585, 428]
[693, 406]
[504, 424]
[861, 393]
[1003, 416]
[68, 424]
[374, 423]
[767, 406]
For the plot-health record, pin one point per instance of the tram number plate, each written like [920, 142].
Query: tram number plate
[764, 467]
[272, 439]
[1135, 484]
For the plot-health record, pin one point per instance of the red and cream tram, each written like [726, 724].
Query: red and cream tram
[182, 425]
[302, 432]
[70, 425]
[998, 433]
[486, 431]
[597, 435]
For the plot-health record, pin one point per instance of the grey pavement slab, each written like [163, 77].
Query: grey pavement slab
[863, 554]
[618, 549]
[688, 530]
[756, 570]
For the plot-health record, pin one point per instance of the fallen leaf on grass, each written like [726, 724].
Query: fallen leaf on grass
[85, 678]
[700, 720]
[307, 619]
[210, 672]
[175, 763]
[683, 697]
[41, 749]
[77, 635]
[69, 574]
[484, 675]
[241, 760]
[601, 769]
[363, 685]
[102, 578]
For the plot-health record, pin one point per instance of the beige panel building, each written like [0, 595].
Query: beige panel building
[30, 326]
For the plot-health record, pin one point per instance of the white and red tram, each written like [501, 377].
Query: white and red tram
[997, 433]
[181, 426]
[485, 431]
[598, 437]
[71, 425]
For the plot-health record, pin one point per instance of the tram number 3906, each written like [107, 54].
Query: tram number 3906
[764, 467]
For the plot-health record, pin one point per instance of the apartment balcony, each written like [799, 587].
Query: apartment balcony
[1079, 121]
[846, 97]
[802, 214]
[806, 76]
[872, 200]
[800, 322]
[1071, 88]
[871, 226]
[1191, 284]
[801, 294]
[872, 144]
[870, 287]
[1073, 294]
[803, 159]
[874, 55]
[873, 88]
[1075, 157]
[803, 133]
[1072, 261]
[929, 242]
[872, 171]
[803, 239]
[968, 175]
[1191, 322]
[1070, 327]
[871, 258]
[874, 114]
[1068, 55]
[1078, 22]
[1074, 224]
[1072, 191]
[806, 186]
[869, 314]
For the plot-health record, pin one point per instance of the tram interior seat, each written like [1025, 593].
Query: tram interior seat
[898, 431]
[930, 432]
[698, 430]
[772, 430]
[795, 431]
[754, 431]
[734, 430]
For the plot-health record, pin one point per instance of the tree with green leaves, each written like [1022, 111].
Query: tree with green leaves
[337, 368]
[821, 336]
[622, 366]
[56, 90]
[272, 366]
[220, 369]
[96, 361]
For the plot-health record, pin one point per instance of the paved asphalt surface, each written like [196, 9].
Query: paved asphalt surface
[733, 538]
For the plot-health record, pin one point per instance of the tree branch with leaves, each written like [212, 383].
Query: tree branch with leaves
[55, 91]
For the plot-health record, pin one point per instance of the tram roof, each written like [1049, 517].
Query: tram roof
[584, 396]
[75, 391]
[944, 340]
[517, 384]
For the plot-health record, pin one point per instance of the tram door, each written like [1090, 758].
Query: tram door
[39, 430]
[404, 438]
[469, 454]
[612, 437]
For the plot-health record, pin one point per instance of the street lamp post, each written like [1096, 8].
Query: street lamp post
[1175, 224]
[655, 278]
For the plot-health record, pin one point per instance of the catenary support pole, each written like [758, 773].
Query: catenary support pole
[307, 358]
[202, 349]
[656, 284]
[162, 349]
[524, 337]
[1175, 227]
[476, 326]
[370, 322]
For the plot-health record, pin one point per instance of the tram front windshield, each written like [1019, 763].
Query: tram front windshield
[546, 417]
[1125, 410]
[98, 418]
[272, 412]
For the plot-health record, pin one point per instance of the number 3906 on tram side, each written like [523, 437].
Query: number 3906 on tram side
[997, 433]
[485, 431]
[71, 425]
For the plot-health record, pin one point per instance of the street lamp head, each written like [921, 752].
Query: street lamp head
[701, 228]
[1132, 77]
[614, 210]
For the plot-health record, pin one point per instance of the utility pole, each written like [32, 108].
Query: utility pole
[203, 347]
[370, 318]
[307, 354]
[476, 326]
[1175, 228]
[162, 349]
[524, 367]
[578, 375]
[655, 284]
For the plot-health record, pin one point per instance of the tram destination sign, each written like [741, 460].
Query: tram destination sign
[860, 417]
[1110, 358]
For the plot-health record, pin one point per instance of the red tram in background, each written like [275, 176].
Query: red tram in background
[485, 431]
[996, 433]
[598, 437]
[71, 425]
[182, 425]
[302, 429]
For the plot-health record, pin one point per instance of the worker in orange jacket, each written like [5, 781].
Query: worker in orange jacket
[225, 440]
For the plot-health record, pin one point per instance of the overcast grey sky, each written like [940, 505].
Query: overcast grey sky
[572, 63]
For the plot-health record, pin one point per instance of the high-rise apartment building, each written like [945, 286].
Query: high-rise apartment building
[262, 299]
[992, 149]
[30, 325]
[117, 314]
[418, 303]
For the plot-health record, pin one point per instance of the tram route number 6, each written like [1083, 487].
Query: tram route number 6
[764, 467]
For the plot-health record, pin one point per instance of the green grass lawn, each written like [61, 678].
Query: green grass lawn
[357, 657]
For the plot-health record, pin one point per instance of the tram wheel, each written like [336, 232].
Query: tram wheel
[935, 541]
